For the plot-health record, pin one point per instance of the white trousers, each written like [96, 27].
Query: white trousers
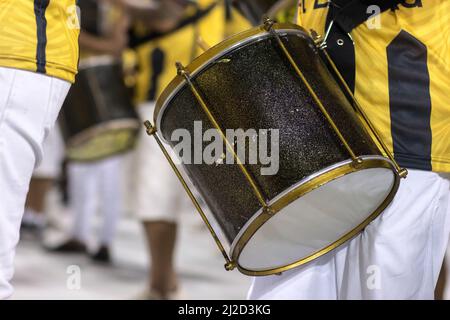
[158, 194]
[92, 186]
[398, 256]
[29, 105]
[53, 156]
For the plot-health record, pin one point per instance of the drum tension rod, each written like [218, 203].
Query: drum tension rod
[321, 44]
[151, 131]
[253, 184]
[268, 26]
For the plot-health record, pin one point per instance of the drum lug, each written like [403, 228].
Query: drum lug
[151, 130]
[268, 23]
[268, 210]
[357, 163]
[403, 173]
[181, 70]
[318, 40]
[230, 266]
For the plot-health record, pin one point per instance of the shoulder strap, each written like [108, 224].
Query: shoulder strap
[350, 14]
[347, 15]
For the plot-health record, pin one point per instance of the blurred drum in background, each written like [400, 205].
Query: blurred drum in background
[98, 119]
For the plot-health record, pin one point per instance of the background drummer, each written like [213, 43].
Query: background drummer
[158, 196]
[98, 182]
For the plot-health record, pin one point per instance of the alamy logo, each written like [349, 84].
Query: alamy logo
[374, 21]
[373, 277]
[73, 281]
[73, 17]
[249, 146]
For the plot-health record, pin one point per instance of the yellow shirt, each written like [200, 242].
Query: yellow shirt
[40, 36]
[402, 77]
[156, 58]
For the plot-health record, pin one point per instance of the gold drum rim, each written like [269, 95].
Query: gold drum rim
[325, 176]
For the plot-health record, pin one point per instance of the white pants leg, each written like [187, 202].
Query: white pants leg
[110, 197]
[83, 181]
[95, 185]
[447, 256]
[53, 156]
[159, 195]
[29, 105]
[398, 256]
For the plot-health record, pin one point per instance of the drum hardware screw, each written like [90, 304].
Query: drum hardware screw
[268, 23]
[316, 37]
[403, 173]
[269, 211]
[151, 130]
[322, 45]
[229, 266]
[357, 162]
[318, 40]
[181, 70]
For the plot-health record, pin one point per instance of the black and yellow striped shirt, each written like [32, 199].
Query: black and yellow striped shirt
[156, 58]
[402, 77]
[40, 36]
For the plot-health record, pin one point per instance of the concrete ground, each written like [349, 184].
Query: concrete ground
[44, 275]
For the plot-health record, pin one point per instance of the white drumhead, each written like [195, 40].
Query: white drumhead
[317, 219]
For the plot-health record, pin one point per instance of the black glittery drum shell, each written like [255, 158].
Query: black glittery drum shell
[254, 86]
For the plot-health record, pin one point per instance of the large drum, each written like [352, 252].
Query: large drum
[98, 119]
[332, 178]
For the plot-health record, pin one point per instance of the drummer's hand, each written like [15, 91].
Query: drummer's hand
[120, 35]
[113, 44]
[137, 4]
[117, 45]
[159, 16]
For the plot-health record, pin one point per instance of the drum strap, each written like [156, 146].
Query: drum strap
[350, 14]
[346, 16]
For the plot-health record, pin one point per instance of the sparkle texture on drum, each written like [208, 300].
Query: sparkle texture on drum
[255, 87]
